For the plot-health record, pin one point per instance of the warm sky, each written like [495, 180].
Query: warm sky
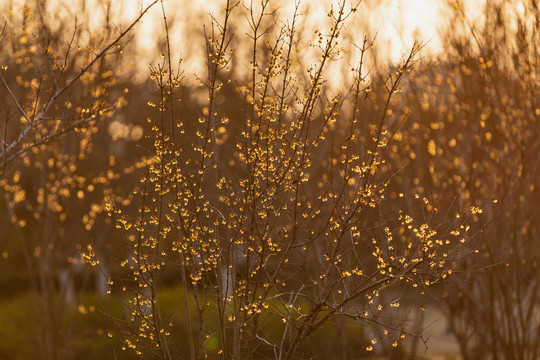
[397, 23]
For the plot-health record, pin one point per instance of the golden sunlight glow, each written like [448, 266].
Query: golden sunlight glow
[397, 24]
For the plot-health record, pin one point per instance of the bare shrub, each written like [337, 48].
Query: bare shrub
[273, 215]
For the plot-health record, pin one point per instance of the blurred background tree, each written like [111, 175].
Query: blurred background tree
[59, 91]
